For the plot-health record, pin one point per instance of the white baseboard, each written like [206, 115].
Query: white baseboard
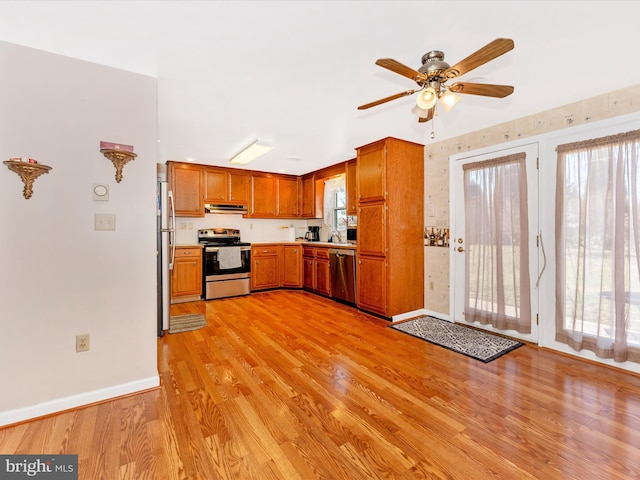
[74, 401]
[408, 315]
[417, 313]
[439, 315]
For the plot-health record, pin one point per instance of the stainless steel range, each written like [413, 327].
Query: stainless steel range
[226, 266]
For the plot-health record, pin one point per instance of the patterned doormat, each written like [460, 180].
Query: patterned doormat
[473, 343]
[186, 323]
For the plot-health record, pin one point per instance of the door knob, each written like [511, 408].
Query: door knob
[460, 249]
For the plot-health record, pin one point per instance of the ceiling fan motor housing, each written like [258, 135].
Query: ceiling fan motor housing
[433, 64]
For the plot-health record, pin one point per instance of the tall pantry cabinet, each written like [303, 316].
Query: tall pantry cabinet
[390, 247]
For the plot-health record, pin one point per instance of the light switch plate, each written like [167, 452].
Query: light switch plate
[104, 221]
[431, 209]
[101, 192]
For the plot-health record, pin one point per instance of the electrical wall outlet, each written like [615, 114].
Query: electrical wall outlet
[82, 342]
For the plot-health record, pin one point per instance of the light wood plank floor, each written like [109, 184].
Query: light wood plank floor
[289, 385]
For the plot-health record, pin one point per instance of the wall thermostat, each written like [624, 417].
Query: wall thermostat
[101, 192]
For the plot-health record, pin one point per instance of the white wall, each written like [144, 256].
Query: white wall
[252, 230]
[59, 277]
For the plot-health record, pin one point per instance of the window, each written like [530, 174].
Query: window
[335, 204]
[598, 239]
[340, 211]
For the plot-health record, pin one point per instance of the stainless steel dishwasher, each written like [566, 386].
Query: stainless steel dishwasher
[342, 262]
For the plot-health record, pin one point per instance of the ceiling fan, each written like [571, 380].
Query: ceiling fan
[432, 76]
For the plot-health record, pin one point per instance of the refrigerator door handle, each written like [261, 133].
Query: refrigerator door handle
[172, 231]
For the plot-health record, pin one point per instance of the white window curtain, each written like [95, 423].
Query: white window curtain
[598, 243]
[331, 187]
[496, 243]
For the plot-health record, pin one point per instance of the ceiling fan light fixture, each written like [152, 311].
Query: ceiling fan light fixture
[448, 100]
[249, 154]
[427, 98]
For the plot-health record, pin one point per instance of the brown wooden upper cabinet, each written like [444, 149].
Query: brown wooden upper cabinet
[226, 186]
[274, 196]
[371, 172]
[308, 196]
[263, 195]
[288, 189]
[187, 183]
[352, 186]
[267, 195]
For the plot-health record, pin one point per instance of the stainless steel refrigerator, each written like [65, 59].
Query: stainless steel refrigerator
[165, 253]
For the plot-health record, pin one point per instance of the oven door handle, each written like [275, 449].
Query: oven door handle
[215, 249]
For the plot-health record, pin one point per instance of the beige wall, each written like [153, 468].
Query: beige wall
[608, 105]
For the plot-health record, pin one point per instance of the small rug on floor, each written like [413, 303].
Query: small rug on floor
[473, 343]
[186, 323]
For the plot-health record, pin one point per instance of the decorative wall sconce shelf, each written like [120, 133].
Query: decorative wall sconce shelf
[28, 172]
[119, 158]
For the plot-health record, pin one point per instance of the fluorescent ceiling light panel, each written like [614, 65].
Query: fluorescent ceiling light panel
[249, 154]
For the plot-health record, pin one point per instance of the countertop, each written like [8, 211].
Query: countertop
[329, 244]
[297, 242]
[309, 244]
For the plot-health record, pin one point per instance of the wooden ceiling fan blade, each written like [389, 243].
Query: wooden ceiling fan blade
[428, 117]
[487, 53]
[399, 68]
[486, 90]
[386, 99]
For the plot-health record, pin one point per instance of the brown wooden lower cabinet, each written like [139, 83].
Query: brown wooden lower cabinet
[323, 272]
[186, 276]
[276, 265]
[371, 289]
[317, 274]
[265, 267]
[309, 274]
[292, 266]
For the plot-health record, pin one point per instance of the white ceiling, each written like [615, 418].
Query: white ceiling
[294, 72]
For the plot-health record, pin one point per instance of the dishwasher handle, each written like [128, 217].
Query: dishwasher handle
[342, 252]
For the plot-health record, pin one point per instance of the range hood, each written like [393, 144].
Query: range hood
[218, 208]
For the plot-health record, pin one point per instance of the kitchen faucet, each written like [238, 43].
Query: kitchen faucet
[334, 236]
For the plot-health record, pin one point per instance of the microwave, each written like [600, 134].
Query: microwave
[352, 234]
